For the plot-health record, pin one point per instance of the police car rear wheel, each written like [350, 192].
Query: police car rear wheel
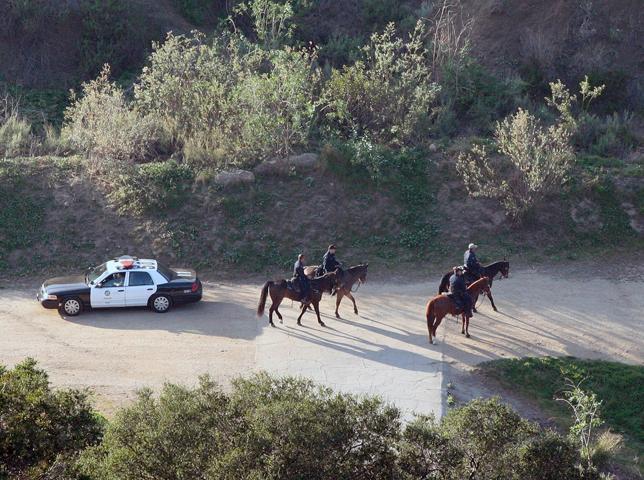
[71, 307]
[160, 303]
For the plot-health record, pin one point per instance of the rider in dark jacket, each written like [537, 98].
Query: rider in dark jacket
[302, 279]
[329, 262]
[459, 292]
[471, 262]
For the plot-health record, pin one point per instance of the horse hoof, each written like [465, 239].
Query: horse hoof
[474, 310]
[356, 312]
[462, 333]
[299, 323]
[337, 315]
[322, 324]
[495, 310]
[467, 335]
[271, 324]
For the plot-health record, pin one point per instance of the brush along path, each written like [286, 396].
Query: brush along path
[383, 351]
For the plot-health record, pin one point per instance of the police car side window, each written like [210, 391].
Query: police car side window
[140, 278]
[114, 280]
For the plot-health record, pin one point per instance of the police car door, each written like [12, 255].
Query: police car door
[139, 289]
[109, 292]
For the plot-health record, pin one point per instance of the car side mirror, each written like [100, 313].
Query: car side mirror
[99, 285]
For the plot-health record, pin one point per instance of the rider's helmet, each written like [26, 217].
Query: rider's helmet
[472, 246]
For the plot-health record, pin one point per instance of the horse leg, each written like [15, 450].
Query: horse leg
[489, 295]
[299, 319]
[467, 326]
[437, 322]
[355, 307]
[463, 321]
[316, 305]
[338, 299]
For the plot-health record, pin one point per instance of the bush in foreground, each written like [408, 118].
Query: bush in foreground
[39, 426]
[279, 428]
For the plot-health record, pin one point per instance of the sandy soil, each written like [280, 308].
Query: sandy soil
[383, 350]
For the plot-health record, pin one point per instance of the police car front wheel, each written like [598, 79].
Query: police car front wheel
[160, 303]
[71, 306]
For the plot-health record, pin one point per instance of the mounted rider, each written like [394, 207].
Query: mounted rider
[331, 264]
[458, 291]
[471, 263]
[302, 279]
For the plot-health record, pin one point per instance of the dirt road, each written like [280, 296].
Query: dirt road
[384, 350]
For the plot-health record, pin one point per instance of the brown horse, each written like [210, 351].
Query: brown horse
[279, 291]
[346, 279]
[441, 305]
[490, 271]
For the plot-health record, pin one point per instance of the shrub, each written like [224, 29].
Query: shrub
[547, 457]
[15, 136]
[229, 97]
[151, 186]
[425, 452]
[534, 163]
[388, 96]
[488, 434]
[39, 424]
[102, 124]
[266, 428]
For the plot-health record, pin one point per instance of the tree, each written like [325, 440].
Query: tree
[534, 161]
[38, 424]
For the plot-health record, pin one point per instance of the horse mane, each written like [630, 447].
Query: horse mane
[479, 282]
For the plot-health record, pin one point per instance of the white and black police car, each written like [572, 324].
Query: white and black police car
[123, 282]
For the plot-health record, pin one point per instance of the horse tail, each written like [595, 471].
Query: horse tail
[444, 285]
[430, 315]
[262, 298]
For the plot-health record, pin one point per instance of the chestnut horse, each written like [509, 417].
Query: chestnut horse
[347, 278]
[279, 291]
[441, 305]
[490, 271]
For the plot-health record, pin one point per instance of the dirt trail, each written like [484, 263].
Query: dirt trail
[384, 350]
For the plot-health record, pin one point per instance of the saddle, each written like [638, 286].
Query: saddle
[293, 285]
[457, 303]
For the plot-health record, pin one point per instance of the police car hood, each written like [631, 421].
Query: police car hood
[71, 282]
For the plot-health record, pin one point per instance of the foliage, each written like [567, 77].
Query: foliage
[102, 124]
[544, 379]
[271, 21]
[228, 97]
[39, 424]
[534, 163]
[151, 187]
[16, 204]
[15, 135]
[487, 433]
[388, 96]
[586, 418]
[547, 457]
[196, 11]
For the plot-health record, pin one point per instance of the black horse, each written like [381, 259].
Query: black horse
[490, 271]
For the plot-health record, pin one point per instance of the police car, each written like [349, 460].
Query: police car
[123, 282]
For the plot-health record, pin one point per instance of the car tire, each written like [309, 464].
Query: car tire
[160, 303]
[71, 306]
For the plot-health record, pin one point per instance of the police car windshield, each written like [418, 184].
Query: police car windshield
[95, 272]
[168, 273]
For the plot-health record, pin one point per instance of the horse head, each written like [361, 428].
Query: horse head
[362, 278]
[505, 268]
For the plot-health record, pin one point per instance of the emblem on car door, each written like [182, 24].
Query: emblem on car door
[107, 293]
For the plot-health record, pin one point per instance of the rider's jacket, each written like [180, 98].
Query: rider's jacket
[298, 270]
[329, 263]
[471, 262]
[457, 285]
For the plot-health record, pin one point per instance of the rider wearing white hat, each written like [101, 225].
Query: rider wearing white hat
[471, 262]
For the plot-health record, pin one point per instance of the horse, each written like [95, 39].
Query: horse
[346, 279]
[279, 290]
[490, 271]
[441, 305]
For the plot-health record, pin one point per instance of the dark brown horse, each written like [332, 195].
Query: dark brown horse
[279, 291]
[490, 271]
[441, 305]
[346, 279]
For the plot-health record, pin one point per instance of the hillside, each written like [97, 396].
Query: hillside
[387, 188]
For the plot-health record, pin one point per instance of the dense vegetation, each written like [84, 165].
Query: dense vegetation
[400, 108]
[621, 388]
[268, 427]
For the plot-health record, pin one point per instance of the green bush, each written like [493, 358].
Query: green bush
[534, 162]
[389, 96]
[15, 136]
[150, 187]
[102, 124]
[229, 97]
[547, 457]
[40, 425]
